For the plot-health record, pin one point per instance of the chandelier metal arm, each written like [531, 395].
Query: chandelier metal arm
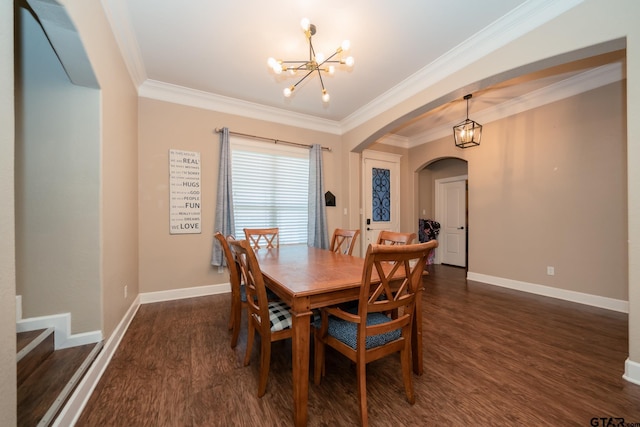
[305, 76]
[312, 64]
[321, 81]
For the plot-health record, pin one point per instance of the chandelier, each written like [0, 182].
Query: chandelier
[316, 62]
[468, 133]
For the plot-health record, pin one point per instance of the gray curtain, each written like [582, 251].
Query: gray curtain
[318, 235]
[224, 222]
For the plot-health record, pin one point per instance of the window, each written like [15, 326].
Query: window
[270, 188]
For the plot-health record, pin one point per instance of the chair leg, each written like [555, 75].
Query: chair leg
[405, 358]
[265, 361]
[250, 335]
[362, 391]
[233, 311]
[236, 319]
[318, 369]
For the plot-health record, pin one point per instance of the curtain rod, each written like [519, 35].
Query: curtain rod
[275, 141]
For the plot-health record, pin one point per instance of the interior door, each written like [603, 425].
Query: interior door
[381, 195]
[453, 223]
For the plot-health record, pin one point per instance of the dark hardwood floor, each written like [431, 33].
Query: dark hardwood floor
[492, 357]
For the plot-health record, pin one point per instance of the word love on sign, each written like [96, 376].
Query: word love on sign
[184, 192]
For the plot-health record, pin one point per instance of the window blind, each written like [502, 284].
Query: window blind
[270, 189]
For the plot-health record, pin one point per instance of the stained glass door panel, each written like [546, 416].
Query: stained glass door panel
[381, 194]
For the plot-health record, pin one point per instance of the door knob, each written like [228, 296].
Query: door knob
[461, 228]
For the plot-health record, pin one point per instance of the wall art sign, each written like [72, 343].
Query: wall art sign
[184, 192]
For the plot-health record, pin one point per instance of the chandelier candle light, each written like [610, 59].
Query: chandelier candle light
[316, 62]
[468, 133]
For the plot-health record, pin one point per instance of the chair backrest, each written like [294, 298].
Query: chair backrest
[235, 277]
[343, 241]
[268, 237]
[387, 237]
[391, 277]
[257, 303]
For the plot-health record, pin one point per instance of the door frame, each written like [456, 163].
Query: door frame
[395, 189]
[439, 210]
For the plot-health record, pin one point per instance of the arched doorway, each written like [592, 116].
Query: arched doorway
[443, 199]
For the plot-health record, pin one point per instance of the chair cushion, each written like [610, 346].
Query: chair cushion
[347, 331]
[279, 316]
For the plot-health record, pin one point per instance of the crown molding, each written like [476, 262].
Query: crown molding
[518, 22]
[195, 98]
[395, 140]
[118, 18]
[511, 26]
[572, 86]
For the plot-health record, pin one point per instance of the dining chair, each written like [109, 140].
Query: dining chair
[270, 237]
[271, 319]
[343, 241]
[387, 237]
[238, 292]
[391, 279]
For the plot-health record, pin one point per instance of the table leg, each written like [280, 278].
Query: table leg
[300, 363]
[416, 335]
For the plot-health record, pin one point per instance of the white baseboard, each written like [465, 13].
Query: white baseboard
[632, 372]
[62, 325]
[78, 399]
[174, 294]
[548, 291]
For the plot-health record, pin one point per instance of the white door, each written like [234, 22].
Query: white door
[381, 195]
[453, 222]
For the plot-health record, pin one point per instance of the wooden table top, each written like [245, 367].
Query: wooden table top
[305, 271]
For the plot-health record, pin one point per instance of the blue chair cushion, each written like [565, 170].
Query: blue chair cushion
[279, 316]
[243, 293]
[347, 332]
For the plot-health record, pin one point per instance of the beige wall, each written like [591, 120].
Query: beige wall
[578, 33]
[547, 187]
[538, 47]
[180, 261]
[120, 216]
[8, 399]
[57, 184]
[119, 162]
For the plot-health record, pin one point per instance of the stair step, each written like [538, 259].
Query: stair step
[33, 347]
[46, 377]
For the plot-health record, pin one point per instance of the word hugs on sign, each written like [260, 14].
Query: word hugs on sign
[184, 192]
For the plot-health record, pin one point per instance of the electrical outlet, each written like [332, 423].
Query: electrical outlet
[550, 270]
[125, 291]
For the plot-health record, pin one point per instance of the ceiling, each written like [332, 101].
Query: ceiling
[219, 49]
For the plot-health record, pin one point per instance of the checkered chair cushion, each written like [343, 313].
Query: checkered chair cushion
[279, 316]
[347, 332]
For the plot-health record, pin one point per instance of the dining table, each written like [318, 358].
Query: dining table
[308, 278]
